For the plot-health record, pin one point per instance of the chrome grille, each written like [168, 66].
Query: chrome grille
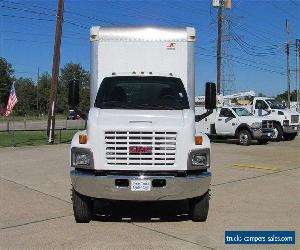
[267, 124]
[117, 145]
[294, 118]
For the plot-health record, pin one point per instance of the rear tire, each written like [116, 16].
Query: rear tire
[244, 137]
[289, 137]
[199, 208]
[82, 207]
[278, 133]
[262, 141]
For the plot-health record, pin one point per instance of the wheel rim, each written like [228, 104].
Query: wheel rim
[244, 138]
[275, 133]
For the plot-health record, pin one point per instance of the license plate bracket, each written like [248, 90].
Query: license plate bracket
[140, 185]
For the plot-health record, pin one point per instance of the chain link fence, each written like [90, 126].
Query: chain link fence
[34, 132]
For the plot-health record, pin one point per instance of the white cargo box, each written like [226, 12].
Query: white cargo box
[142, 51]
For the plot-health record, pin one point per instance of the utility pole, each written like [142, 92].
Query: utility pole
[298, 72]
[219, 46]
[288, 63]
[37, 91]
[55, 72]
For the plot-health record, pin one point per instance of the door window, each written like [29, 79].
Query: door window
[260, 104]
[226, 113]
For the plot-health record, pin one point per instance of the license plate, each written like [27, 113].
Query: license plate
[296, 128]
[269, 134]
[140, 185]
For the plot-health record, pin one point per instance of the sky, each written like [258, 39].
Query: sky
[254, 36]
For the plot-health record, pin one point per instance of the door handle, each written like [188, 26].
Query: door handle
[219, 119]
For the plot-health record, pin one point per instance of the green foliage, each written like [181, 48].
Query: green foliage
[6, 80]
[33, 98]
[43, 91]
[72, 71]
[284, 96]
[26, 94]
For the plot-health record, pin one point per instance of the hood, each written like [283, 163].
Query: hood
[116, 129]
[139, 119]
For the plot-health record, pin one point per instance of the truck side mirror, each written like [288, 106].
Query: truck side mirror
[210, 101]
[73, 98]
[210, 96]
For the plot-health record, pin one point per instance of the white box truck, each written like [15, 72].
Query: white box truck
[140, 142]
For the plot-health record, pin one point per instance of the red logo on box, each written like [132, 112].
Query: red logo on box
[140, 149]
[171, 46]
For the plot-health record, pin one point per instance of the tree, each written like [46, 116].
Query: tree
[43, 90]
[284, 96]
[6, 80]
[26, 94]
[72, 71]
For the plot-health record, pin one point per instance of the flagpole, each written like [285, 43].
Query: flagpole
[13, 131]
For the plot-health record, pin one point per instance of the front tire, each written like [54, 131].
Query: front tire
[244, 137]
[278, 133]
[199, 208]
[82, 207]
[289, 137]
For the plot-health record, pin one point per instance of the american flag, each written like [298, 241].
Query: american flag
[11, 101]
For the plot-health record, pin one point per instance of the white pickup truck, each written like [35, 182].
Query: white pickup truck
[140, 143]
[286, 121]
[235, 122]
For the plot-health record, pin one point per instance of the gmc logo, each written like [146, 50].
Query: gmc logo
[140, 149]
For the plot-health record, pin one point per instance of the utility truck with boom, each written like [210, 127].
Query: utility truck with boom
[235, 122]
[286, 121]
[140, 142]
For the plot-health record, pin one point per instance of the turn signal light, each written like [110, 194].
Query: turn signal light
[82, 139]
[198, 140]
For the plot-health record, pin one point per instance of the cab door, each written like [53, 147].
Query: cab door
[261, 108]
[226, 122]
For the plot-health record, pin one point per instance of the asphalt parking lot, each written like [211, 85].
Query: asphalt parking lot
[253, 188]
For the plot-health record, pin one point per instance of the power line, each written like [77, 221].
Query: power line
[295, 3]
[283, 10]
[38, 34]
[31, 5]
[44, 19]
[246, 64]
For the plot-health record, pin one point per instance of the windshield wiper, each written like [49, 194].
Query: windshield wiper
[114, 104]
[154, 106]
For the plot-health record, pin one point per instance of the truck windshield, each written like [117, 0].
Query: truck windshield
[274, 104]
[142, 92]
[242, 112]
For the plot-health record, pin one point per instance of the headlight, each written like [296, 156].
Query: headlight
[286, 123]
[256, 125]
[199, 159]
[81, 158]
[280, 113]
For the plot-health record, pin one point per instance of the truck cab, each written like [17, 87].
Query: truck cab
[286, 121]
[236, 122]
[140, 142]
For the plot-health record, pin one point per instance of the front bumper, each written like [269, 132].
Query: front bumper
[262, 133]
[291, 129]
[176, 188]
